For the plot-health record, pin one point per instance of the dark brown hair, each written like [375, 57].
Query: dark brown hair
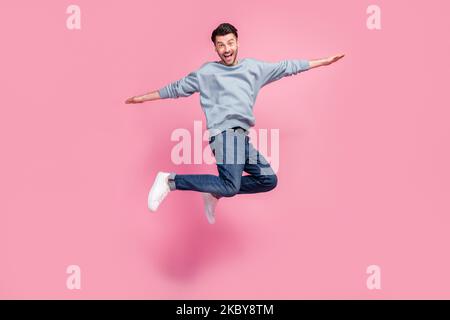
[223, 29]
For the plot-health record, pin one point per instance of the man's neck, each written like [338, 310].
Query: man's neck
[221, 62]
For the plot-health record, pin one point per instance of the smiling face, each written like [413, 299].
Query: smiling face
[227, 48]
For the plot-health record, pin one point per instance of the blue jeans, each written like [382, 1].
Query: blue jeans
[234, 154]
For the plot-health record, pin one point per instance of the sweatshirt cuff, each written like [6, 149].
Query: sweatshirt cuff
[164, 93]
[304, 65]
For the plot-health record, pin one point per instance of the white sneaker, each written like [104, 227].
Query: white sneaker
[210, 203]
[159, 190]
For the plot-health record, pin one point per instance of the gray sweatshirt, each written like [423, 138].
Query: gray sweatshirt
[228, 93]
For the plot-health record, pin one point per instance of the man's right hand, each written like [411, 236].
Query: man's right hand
[134, 100]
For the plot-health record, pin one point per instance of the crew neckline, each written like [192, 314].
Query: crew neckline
[231, 67]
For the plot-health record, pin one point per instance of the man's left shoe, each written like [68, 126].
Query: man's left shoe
[210, 203]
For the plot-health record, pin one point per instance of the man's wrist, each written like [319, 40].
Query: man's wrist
[317, 63]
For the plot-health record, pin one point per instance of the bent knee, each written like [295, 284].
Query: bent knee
[271, 181]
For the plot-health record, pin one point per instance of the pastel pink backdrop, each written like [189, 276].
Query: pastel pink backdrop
[364, 153]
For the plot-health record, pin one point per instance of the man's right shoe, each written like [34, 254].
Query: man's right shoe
[159, 190]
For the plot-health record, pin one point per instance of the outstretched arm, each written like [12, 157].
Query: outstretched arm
[154, 95]
[325, 61]
[273, 71]
[183, 87]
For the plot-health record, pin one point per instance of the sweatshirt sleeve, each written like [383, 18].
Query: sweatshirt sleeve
[181, 88]
[273, 71]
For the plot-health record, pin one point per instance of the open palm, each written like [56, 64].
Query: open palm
[335, 58]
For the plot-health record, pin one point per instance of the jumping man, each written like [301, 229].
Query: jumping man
[228, 89]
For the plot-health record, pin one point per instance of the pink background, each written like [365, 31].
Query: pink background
[364, 156]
